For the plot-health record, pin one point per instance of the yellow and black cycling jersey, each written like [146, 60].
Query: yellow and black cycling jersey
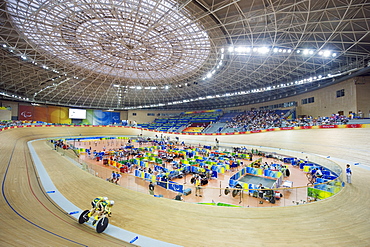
[97, 201]
[107, 206]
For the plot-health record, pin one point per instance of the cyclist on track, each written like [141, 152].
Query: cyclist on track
[96, 205]
[106, 207]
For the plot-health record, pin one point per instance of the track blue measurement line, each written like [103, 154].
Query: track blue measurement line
[15, 211]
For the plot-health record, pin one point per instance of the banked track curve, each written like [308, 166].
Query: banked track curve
[30, 218]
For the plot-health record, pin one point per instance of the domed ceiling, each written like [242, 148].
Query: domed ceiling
[166, 54]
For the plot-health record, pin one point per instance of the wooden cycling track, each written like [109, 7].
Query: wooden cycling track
[30, 218]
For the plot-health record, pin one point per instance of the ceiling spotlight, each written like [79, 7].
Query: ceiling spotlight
[242, 49]
[326, 53]
[263, 50]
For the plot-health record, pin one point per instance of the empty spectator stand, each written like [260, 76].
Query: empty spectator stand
[199, 122]
[193, 130]
[181, 122]
[214, 128]
[166, 124]
[196, 127]
[151, 126]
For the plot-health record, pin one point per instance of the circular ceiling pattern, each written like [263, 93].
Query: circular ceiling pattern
[178, 54]
[150, 40]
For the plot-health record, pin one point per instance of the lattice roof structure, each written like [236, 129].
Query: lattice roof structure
[177, 54]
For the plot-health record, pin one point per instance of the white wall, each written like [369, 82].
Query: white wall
[5, 115]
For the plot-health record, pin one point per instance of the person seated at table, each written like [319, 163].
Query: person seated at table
[318, 173]
[313, 172]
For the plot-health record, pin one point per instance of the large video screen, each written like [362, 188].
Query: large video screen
[77, 113]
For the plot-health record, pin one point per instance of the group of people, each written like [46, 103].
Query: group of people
[317, 173]
[266, 119]
[254, 120]
[334, 119]
[101, 206]
[10, 123]
[199, 180]
[114, 178]
[59, 143]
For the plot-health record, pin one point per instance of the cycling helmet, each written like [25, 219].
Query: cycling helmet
[105, 198]
[111, 202]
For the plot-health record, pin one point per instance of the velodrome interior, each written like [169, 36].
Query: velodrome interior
[147, 59]
[30, 218]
